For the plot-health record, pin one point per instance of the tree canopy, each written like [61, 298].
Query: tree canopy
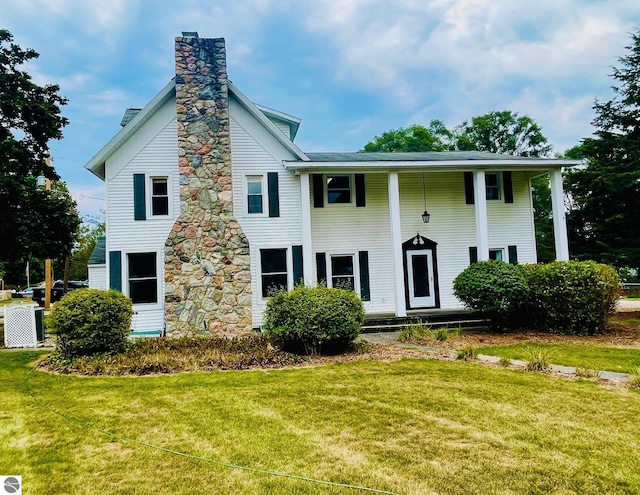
[414, 138]
[33, 223]
[503, 132]
[605, 195]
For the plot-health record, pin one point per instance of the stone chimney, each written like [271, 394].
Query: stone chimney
[207, 264]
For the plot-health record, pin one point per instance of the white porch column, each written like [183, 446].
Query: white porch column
[396, 243]
[559, 217]
[482, 227]
[307, 240]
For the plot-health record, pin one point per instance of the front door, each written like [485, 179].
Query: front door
[420, 278]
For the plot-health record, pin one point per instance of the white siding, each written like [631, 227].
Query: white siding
[452, 223]
[347, 229]
[152, 151]
[286, 130]
[97, 277]
[256, 152]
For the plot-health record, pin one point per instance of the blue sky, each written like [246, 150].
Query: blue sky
[351, 69]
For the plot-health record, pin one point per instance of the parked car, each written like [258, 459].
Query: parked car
[57, 291]
[27, 293]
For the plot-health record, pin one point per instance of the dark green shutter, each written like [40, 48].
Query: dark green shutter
[139, 201]
[513, 255]
[365, 292]
[473, 254]
[318, 190]
[115, 270]
[468, 188]
[507, 184]
[321, 267]
[360, 191]
[298, 267]
[274, 200]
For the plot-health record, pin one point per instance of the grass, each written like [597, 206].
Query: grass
[6, 302]
[620, 359]
[410, 427]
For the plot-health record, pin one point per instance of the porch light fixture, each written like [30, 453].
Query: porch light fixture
[426, 216]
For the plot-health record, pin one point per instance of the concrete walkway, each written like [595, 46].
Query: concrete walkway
[392, 338]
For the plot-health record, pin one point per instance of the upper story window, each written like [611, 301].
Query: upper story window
[492, 183]
[143, 277]
[254, 194]
[159, 196]
[338, 189]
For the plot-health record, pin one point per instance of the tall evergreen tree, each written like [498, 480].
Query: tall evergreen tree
[605, 216]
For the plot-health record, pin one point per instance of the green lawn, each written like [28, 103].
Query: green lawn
[621, 359]
[409, 427]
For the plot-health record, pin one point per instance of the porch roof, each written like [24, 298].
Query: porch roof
[443, 160]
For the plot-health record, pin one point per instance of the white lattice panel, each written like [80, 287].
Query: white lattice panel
[20, 326]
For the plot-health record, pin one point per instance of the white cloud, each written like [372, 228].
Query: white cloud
[108, 102]
[546, 58]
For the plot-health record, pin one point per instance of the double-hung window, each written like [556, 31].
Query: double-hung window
[274, 277]
[254, 194]
[342, 272]
[338, 189]
[143, 277]
[159, 196]
[492, 185]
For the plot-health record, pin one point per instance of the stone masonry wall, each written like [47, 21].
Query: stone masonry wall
[207, 264]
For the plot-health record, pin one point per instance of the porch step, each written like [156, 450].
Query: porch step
[457, 318]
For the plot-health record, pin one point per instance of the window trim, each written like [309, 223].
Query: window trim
[265, 195]
[289, 259]
[159, 279]
[352, 191]
[150, 180]
[356, 269]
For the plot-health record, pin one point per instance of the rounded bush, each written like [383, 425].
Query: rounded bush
[493, 288]
[313, 319]
[571, 297]
[90, 321]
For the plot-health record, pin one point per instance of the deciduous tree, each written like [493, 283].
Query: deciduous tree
[33, 223]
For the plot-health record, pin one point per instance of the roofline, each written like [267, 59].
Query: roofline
[294, 122]
[528, 164]
[253, 109]
[96, 164]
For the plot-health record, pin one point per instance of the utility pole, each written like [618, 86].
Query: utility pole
[47, 262]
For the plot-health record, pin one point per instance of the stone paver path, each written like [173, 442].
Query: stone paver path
[392, 338]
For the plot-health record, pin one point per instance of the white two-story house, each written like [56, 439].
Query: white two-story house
[210, 206]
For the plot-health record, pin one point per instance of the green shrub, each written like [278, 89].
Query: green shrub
[313, 319]
[571, 297]
[493, 288]
[90, 321]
